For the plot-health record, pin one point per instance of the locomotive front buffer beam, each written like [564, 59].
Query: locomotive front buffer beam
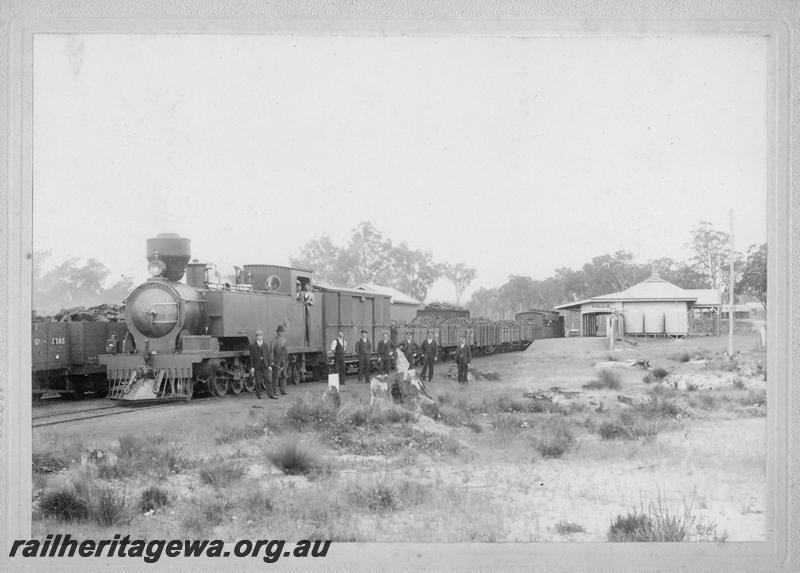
[165, 378]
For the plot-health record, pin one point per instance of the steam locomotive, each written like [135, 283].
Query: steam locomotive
[195, 336]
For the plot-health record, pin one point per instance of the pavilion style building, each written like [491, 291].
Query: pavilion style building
[653, 307]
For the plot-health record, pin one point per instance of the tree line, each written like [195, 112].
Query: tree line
[708, 268]
[369, 257]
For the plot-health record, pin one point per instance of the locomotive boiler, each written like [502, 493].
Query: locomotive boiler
[192, 336]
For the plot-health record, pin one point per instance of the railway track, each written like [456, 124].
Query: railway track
[54, 418]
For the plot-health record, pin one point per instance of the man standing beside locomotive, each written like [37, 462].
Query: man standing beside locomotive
[280, 362]
[364, 352]
[338, 350]
[385, 349]
[429, 350]
[259, 363]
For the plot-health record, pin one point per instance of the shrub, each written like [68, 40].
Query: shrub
[63, 503]
[257, 503]
[754, 398]
[610, 357]
[153, 498]
[140, 456]
[567, 528]
[738, 384]
[663, 390]
[554, 441]
[681, 357]
[648, 378]
[220, 472]
[228, 434]
[206, 514]
[309, 413]
[294, 458]
[377, 497]
[48, 462]
[658, 407]
[658, 523]
[628, 426]
[659, 373]
[107, 507]
[606, 378]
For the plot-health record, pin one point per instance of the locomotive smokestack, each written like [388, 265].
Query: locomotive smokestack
[173, 251]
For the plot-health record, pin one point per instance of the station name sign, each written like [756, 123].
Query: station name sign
[601, 305]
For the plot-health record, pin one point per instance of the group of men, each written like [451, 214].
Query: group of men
[427, 352]
[269, 362]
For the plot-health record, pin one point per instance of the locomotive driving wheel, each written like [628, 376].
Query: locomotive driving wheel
[250, 383]
[237, 385]
[218, 384]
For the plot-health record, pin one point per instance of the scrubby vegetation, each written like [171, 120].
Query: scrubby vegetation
[606, 379]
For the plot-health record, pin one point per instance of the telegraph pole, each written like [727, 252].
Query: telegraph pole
[731, 313]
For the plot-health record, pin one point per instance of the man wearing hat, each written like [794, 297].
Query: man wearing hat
[259, 362]
[429, 351]
[409, 348]
[339, 350]
[463, 357]
[280, 362]
[385, 349]
[364, 351]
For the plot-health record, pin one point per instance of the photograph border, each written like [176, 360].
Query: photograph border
[19, 29]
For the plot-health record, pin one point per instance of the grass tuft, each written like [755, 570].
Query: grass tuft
[568, 528]
[606, 378]
[153, 498]
[657, 523]
[294, 458]
[107, 507]
[659, 373]
[220, 472]
[63, 503]
[48, 462]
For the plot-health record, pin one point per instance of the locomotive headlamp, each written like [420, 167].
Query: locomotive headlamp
[156, 267]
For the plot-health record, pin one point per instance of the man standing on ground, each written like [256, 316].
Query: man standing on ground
[364, 352]
[259, 362]
[385, 349]
[338, 350]
[463, 357]
[280, 362]
[429, 350]
[409, 349]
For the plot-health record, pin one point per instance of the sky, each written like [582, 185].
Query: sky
[515, 155]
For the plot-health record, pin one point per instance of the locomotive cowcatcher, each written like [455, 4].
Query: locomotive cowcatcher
[188, 337]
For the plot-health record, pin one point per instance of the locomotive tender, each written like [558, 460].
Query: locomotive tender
[188, 336]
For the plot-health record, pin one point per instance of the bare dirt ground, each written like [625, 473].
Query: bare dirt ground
[495, 465]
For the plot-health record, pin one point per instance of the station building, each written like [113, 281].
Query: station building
[653, 307]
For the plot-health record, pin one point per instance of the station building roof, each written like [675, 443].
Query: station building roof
[653, 289]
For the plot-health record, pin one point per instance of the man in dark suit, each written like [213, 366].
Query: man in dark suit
[430, 350]
[364, 352]
[279, 362]
[463, 357]
[385, 349]
[339, 350]
[409, 349]
[259, 363]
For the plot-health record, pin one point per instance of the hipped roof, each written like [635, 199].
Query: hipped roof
[654, 289]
